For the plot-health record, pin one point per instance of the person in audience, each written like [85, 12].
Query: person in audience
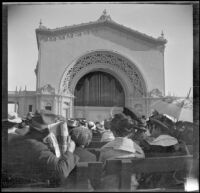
[37, 157]
[13, 122]
[121, 147]
[160, 143]
[107, 135]
[14, 126]
[91, 125]
[29, 116]
[72, 123]
[100, 127]
[160, 140]
[82, 137]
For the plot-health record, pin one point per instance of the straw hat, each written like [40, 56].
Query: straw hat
[41, 121]
[13, 118]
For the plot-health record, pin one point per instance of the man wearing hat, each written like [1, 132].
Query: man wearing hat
[160, 140]
[160, 143]
[37, 156]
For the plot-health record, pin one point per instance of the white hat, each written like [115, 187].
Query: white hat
[91, 125]
[13, 118]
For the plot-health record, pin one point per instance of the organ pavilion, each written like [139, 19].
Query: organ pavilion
[85, 70]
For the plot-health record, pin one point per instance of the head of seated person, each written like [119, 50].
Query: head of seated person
[158, 128]
[72, 123]
[107, 124]
[91, 125]
[160, 140]
[121, 125]
[100, 127]
[82, 136]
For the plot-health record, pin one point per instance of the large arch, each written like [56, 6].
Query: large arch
[123, 69]
[105, 60]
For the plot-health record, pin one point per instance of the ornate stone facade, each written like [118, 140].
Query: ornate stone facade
[107, 58]
[68, 53]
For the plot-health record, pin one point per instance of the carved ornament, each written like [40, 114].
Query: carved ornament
[47, 89]
[110, 59]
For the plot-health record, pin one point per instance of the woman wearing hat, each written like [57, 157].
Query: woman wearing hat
[37, 156]
[121, 147]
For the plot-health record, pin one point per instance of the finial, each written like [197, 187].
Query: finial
[162, 34]
[40, 22]
[104, 16]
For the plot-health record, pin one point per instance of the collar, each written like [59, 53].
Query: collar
[164, 140]
[122, 143]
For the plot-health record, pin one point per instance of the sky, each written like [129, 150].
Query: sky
[174, 20]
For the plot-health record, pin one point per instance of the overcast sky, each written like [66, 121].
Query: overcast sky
[175, 20]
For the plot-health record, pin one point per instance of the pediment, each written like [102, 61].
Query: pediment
[104, 23]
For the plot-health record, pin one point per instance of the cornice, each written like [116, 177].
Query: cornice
[68, 31]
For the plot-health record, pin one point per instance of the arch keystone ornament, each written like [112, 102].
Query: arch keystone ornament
[110, 59]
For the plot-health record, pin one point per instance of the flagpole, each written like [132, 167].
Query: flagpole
[183, 102]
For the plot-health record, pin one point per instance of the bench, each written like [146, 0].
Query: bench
[121, 167]
[125, 167]
[96, 144]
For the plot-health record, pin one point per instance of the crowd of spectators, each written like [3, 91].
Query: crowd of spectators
[46, 147]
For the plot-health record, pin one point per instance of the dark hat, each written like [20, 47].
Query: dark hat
[140, 128]
[41, 120]
[159, 123]
[81, 135]
[122, 125]
[72, 123]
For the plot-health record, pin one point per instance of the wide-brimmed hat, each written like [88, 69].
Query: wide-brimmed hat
[13, 117]
[41, 120]
[159, 123]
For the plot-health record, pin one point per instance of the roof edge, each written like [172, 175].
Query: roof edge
[111, 23]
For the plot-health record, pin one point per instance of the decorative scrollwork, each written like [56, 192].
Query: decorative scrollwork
[103, 57]
[46, 89]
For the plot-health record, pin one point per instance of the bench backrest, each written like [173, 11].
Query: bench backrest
[125, 167]
[96, 144]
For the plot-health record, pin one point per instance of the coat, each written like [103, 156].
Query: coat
[31, 159]
[84, 155]
[107, 136]
[120, 147]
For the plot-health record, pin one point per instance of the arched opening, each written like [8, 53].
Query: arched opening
[99, 89]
